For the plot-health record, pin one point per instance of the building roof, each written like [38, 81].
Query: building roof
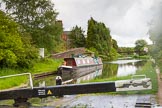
[67, 32]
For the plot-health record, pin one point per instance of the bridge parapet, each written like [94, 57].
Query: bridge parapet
[69, 53]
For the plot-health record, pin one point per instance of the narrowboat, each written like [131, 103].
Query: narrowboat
[76, 67]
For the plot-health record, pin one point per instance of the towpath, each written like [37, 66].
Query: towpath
[159, 94]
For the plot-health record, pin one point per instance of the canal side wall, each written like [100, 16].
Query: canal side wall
[69, 53]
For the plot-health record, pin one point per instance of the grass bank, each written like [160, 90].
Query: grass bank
[44, 65]
[148, 69]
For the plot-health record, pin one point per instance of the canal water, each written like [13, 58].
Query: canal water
[121, 68]
[110, 69]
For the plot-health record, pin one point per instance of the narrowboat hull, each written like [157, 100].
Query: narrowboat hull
[74, 72]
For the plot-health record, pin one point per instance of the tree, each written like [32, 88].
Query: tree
[13, 52]
[99, 39]
[38, 18]
[140, 45]
[126, 50]
[77, 37]
[115, 45]
[155, 34]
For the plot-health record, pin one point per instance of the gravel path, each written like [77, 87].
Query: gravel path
[99, 101]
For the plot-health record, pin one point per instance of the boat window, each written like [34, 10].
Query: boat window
[78, 61]
[83, 61]
[88, 61]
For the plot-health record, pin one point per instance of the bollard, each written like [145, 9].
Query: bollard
[59, 82]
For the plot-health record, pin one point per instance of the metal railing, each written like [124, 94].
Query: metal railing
[30, 77]
[138, 76]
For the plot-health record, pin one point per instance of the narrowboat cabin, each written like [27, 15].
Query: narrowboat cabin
[79, 66]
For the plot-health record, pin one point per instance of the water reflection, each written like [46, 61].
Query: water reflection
[124, 70]
[110, 69]
[121, 68]
[89, 76]
[124, 61]
[49, 81]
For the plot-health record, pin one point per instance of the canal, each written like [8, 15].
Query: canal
[116, 68]
[110, 69]
[121, 68]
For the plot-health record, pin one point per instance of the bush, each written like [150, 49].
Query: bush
[15, 47]
[8, 58]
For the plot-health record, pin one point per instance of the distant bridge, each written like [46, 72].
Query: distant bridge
[69, 53]
[130, 52]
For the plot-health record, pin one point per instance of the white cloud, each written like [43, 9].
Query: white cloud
[127, 19]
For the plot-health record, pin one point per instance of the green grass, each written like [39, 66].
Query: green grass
[12, 82]
[147, 69]
[44, 65]
[47, 65]
[7, 71]
[150, 71]
[142, 57]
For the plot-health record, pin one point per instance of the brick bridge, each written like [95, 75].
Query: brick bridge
[69, 53]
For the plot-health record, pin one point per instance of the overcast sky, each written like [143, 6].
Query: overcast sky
[128, 20]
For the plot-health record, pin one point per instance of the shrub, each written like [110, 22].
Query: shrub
[15, 47]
